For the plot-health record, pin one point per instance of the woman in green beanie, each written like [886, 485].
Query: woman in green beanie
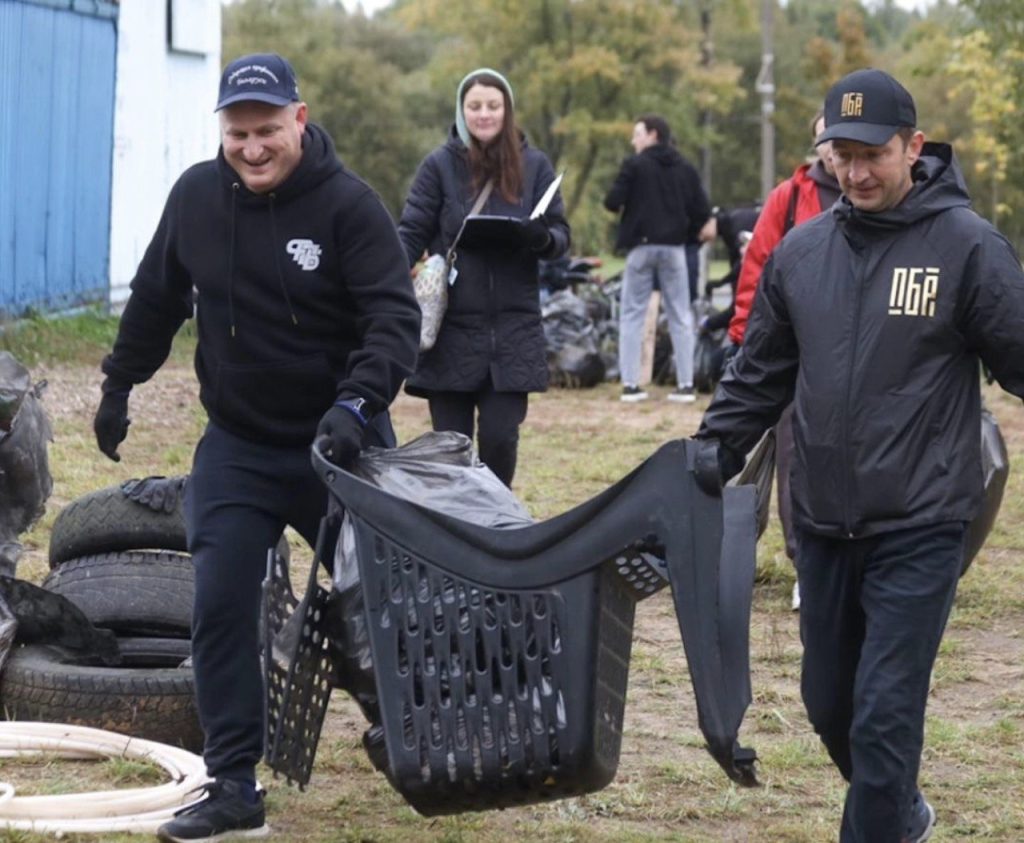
[490, 352]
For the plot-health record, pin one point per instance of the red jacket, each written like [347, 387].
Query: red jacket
[769, 230]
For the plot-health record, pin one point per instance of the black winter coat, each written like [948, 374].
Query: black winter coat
[492, 325]
[302, 294]
[873, 323]
[661, 197]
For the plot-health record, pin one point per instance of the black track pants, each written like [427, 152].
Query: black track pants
[239, 498]
[872, 615]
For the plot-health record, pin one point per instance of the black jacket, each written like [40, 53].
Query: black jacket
[874, 324]
[492, 325]
[661, 197]
[302, 295]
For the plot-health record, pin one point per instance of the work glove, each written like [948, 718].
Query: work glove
[339, 436]
[536, 234]
[111, 422]
[160, 494]
[715, 465]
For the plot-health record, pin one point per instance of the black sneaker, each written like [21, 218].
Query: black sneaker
[225, 814]
[632, 394]
[921, 823]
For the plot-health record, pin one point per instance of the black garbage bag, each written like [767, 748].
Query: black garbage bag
[572, 342]
[25, 481]
[995, 466]
[438, 470]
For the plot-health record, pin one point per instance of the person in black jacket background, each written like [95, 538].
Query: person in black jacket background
[490, 351]
[663, 206]
[307, 325]
[872, 318]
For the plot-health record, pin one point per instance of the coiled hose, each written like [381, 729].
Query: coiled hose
[128, 810]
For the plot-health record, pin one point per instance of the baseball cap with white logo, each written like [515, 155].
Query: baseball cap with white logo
[261, 77]
[868, 106]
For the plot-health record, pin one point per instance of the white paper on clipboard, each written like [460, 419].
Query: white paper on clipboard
[545, 200]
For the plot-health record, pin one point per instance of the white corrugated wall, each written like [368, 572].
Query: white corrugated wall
[163, 120]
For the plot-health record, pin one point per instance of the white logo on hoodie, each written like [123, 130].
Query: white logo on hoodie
[305, 253]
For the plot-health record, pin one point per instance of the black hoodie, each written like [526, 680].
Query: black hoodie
[874, 324]
[661, 197]
[302, 295]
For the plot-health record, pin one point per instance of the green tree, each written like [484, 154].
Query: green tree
[353, 71]
[582, 71]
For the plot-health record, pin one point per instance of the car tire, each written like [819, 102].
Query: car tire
[138, 592]
[151, 696]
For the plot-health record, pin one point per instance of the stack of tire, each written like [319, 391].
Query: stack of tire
[123, 562]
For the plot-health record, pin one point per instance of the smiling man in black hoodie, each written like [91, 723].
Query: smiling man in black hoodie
[307, 326]
[872, 319]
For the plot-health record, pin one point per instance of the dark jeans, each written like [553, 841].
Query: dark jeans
[239, 498]
[500, 414]
[872, 615]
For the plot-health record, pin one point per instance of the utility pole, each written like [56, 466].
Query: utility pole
[707, 56]
[766, 88]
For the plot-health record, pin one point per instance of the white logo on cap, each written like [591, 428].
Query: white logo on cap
[234, 79]
[305, 253]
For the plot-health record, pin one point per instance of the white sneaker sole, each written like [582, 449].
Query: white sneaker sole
[633, 399]
[232, 834]
[682, 399]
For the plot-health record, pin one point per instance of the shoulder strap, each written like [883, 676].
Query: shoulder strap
[794, 196]
[480, 200]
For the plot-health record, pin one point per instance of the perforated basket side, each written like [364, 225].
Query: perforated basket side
[298, 670]
[492, 698]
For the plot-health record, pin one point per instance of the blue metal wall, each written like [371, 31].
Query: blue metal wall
[57, 67]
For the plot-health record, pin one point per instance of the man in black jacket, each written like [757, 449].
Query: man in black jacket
[663, 205]
[307, 326]
[872, 319]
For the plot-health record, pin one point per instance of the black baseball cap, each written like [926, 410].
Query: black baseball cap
[867, 106]
[261, 77]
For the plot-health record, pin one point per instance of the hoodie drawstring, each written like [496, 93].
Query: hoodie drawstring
[231, 260]
[277, 261]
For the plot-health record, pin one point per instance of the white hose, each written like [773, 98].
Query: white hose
[128, 810]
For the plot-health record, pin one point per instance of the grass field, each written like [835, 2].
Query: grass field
[574, 444]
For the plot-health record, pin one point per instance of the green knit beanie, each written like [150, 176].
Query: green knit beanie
[460, 120]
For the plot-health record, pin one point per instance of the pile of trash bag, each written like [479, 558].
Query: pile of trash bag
[572, 341]
[25, 481]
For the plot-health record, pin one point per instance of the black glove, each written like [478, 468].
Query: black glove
[111, 422]
[536, 234]
[161, 494]
[339, 436]
[715, 465]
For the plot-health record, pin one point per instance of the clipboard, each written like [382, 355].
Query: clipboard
[505, 231]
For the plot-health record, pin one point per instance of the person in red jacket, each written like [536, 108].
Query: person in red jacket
[811, 189]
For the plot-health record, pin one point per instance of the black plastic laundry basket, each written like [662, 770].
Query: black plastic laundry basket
[492, 697]
[501, 656]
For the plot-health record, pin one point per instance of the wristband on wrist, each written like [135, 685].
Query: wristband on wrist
[356, 406]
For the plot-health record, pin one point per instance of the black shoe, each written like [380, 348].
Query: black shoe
[922, 820]
[225, 814]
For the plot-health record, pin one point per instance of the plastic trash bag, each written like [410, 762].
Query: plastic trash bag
[25, 481]
[995, 466]
[759, 472]
[572, 342]
[438, 470]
